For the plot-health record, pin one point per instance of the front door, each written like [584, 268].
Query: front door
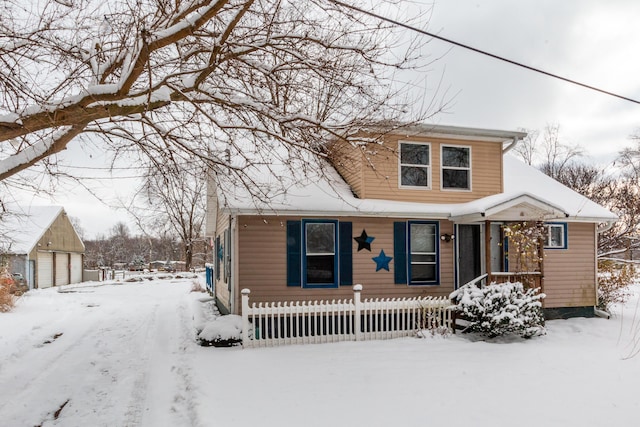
[469, 252]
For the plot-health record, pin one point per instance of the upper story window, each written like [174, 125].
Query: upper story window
[456, 167]
[556, 235]
[415, 165]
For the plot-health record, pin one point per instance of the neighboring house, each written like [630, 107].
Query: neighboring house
[418, 213]
[44, 247]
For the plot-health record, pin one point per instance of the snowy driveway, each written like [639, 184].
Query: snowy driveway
[109, 355]
[125, 355]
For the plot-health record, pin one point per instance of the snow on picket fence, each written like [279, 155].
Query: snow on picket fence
[302, 322]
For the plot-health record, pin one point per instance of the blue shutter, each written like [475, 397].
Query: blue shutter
[217, 258]
[294, 253]
[346, 254]
[400, 252]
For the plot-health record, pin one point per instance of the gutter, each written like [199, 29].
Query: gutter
[607, 227]
[512, 144]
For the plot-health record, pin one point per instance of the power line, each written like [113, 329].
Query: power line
[480, 51]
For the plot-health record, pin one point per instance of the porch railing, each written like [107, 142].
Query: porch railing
[302, 322]
[529, 279]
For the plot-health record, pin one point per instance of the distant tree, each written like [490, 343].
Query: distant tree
[172, 200]
[527, 148]
[120, 230]
[75, 221]
[550, 154]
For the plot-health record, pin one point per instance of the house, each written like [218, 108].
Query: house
[43, 246]
[416, 211]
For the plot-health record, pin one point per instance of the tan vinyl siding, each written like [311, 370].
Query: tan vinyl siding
[263, 265]
[570, 275]
[348, 160]
[381, 177]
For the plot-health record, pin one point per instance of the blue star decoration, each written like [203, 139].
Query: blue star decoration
[364, 241]
[382, 261]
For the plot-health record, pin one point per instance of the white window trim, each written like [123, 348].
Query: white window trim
[429, 167]
[564, 234]
[436, 253]
[335, 254]
[442, 167]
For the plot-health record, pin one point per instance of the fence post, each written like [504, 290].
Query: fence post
[245, 317]
[356, 320]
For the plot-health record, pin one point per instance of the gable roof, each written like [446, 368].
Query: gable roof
[25, 228]
[286, 192]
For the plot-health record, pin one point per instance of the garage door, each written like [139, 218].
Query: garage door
[45, 270]
[76, 268]
[62, 268]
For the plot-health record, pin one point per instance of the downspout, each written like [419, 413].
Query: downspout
[512, 144]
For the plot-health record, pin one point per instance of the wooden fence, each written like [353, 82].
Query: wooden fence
[270, 324]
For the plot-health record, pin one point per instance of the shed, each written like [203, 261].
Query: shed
[44, 247]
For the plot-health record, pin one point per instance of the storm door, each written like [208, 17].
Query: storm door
[469, 252]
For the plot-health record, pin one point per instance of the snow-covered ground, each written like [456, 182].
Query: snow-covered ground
[125, 355]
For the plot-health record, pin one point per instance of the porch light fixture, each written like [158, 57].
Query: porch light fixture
[447, 237]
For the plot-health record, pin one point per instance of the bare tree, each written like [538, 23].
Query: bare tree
[557, 154]
[178, 80]
[172, 200]
[527, 149]
[629, 157]
[617, 189]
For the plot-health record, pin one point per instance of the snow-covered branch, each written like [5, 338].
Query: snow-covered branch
[189, 79]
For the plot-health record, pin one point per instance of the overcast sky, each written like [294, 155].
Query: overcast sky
[594, 42]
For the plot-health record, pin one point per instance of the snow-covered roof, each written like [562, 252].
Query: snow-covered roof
[327, 194]
[26, 226]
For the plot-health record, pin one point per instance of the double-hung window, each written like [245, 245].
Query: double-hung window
[555, 236]
[319, 253]
[415, 165]
[416, 253]
[456, 167]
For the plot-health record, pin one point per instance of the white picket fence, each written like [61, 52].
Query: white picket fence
[302, 322]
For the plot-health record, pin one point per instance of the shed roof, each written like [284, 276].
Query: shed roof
[25, 228]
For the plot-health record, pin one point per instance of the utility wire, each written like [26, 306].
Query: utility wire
[480, 51]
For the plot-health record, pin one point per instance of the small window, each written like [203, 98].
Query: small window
[415, 165]
[456, 167]
[320, 253]
[555, 236]
[423, 253]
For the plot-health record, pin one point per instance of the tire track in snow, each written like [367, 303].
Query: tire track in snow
[170, 390]
[135, 407]
[91, 360]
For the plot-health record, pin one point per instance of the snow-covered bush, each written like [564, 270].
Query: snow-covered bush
[499, 309]
[613, 283]
[224, 331]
